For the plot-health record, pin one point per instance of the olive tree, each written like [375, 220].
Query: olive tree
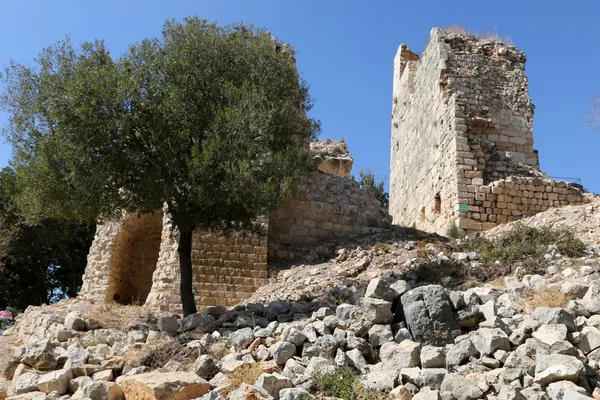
[206, 120]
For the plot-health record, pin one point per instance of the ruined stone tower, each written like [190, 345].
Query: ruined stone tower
[462, 137]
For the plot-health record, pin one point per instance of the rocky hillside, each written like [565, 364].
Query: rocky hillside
[400, 315]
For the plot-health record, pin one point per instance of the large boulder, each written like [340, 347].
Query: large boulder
[198, 321]
[461, 387]
[557, 367]
[429, 316]
[25, 380]
[177, 385]
[38, 355]
[377, 311]
[55, 381]
[75, 321]
[101, 390]
[273, 383]
[546, 316]
[282, 351]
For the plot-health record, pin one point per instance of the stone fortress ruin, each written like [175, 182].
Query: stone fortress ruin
[462, 138]
[135, 261]
[461, 155]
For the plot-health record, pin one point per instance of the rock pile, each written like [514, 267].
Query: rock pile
[412, 342]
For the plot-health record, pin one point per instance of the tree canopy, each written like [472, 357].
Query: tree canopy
[208, 120]
[40, 263]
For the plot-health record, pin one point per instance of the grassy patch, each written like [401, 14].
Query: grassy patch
[452, 232]
[545, 298]
[174, 350]
[523, 241]
[383, 247]
[247, 373]
[117, 316]
[457, 276]
[344, 384]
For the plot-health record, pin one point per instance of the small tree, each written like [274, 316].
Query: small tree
[369, 183]
[205, 119]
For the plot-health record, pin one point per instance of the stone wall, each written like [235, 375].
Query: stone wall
[226, 270]
[324, 206]
[423, 176]
[515, 197]
[136, 260]
[461, 125]
[122, 259]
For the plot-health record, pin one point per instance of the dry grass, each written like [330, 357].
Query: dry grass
[117, 316]
[174, 350]
[247, 373]
[489, 36]
[545, 298]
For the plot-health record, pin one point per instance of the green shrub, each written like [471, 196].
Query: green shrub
[383, 247]
[523, 241]
[452, 232]
[344, 384]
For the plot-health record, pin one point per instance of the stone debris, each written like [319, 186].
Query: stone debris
[399, 335]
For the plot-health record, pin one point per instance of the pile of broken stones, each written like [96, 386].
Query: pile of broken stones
[409, 341]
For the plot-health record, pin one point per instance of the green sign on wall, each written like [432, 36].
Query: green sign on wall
[463, 207]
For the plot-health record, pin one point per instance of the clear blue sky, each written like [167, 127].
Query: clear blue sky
[345, 50]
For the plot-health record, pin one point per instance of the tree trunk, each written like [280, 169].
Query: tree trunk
[185, 266]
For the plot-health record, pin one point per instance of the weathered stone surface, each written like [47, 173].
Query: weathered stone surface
[245, 392]
[380, 334]
[433, 357]
[163, 386]
[566, 390]
[429, 377]
[242, 337]
[273, 383]
[377, 311]
[74, 321]
[195, 321]
[101, 390]
[461, 352]
[546, 316]
[402, 355]
[295, 394]
[488, 340]
[168, 325]
[425, 394]
[345, 311]
[293, 336]
[429, 316]
[205, 367]
[38, 354]
[55, 381]
[282, 351]
[460, 387]
[380, 289]
[589, 340]
[25, 380]
[557, 367]
[78, 383]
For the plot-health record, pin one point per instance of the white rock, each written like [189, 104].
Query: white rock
[55, 381]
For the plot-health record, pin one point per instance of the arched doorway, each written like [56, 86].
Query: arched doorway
[134, 258]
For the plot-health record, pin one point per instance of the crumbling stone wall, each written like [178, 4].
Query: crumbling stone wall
[325, 206]
[462, 125]
[229, 269]
[332, 157]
